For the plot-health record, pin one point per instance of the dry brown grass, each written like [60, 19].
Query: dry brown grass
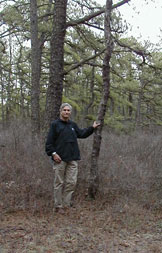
[126, 215]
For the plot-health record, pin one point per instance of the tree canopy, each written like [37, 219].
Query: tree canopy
[28, 86]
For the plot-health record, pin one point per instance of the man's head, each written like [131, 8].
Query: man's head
[65, 111]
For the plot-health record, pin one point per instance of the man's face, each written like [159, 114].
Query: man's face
[65, 113]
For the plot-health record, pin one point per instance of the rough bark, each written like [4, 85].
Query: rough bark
[9, 83]
[55, 88]
[35, 68]
[94, 175]
[130, 109]
[138, 111]
[90, 104]
[2, 96]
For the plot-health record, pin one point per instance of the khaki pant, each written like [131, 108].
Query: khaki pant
[64, 182]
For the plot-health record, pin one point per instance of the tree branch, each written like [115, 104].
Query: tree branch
[85, 61]
[137, 51]
[94, 14]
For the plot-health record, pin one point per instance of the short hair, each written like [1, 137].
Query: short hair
[65, 104]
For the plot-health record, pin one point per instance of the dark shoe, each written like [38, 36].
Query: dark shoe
[59, 210]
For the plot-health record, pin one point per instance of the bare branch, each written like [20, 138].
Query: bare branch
[137, 51]
[94, 14]
[85, 61]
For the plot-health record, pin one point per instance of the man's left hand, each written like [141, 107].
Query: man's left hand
[96, 124]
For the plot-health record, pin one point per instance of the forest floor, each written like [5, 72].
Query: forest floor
[97, 226]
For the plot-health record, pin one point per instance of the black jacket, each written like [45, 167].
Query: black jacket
[62, 139]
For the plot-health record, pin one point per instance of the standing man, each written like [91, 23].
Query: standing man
[62, 146]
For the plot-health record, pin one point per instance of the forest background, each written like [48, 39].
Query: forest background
[53, 52]
[79, 52]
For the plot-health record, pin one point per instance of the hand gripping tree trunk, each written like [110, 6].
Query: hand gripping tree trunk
[55, 88]
[94, 175]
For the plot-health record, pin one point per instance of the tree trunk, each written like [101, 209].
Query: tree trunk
[22, 107]
[35, 68]
[55, 88]
[94, 176]
[91, 90]
[130, 109]
[9, 84]
[2, 96]
[139, 104]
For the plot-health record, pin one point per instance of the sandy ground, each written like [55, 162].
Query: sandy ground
[89, 227]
